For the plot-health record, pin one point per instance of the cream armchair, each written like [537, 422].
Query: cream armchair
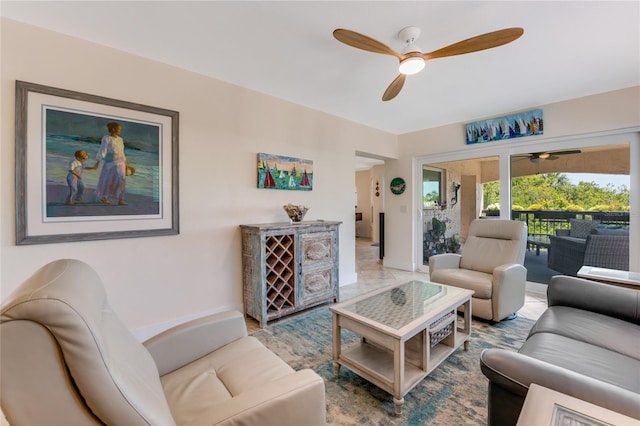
[68, 359]
[491, 264]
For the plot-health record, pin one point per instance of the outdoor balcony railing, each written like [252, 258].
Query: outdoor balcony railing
[545, 222]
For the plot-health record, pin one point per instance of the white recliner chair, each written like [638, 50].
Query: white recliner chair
[491, 264]
[68, 360]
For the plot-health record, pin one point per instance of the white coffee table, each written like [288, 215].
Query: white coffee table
[398, 325]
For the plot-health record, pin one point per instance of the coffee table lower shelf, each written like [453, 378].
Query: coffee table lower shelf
[376, 364]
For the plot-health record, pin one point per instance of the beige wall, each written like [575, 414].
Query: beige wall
[364, 205]
[154, 281]
[369, 203]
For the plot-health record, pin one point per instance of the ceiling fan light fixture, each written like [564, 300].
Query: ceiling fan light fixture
[544, 155]
[411, 65]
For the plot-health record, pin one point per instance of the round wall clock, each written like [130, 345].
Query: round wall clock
[398, 185]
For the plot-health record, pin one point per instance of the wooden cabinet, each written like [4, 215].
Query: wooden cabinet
[288, 267]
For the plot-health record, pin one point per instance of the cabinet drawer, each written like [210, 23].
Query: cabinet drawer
[317, 283]
[317, 247]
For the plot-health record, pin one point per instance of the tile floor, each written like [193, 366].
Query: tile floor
[373, 275]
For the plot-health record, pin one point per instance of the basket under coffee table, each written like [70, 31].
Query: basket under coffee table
[406, 331]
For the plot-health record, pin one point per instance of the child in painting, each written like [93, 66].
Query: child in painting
[111, 183]
[74, 177]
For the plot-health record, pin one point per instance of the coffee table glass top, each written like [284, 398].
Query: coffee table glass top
[400, 305]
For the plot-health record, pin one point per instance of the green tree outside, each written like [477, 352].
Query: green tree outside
[554, 191]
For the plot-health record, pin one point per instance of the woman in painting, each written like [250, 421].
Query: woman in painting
[113, 175]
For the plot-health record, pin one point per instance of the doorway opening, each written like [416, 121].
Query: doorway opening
[369, 201]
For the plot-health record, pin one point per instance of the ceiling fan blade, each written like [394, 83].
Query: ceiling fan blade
[394, 88]
[573, 151]
[474, 44]
[361, 41]
[552, 157]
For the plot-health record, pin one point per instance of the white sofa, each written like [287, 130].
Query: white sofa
[68, 359]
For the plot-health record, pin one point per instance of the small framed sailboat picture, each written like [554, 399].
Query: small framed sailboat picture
[281, 172]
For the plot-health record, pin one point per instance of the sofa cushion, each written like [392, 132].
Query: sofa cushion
[231, 370]
[590, 327]
[610, 231]
[474, 254]
[585, 358]
[582, 228]
[479, 282]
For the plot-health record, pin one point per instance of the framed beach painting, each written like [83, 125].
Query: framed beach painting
[281, 172]
[93, 168]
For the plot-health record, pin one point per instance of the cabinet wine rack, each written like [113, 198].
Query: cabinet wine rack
[280, 269]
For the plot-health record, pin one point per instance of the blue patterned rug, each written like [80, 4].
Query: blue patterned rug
[455, 393]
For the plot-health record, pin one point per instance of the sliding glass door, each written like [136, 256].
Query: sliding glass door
[542, 183]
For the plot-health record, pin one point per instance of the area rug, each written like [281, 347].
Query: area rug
[454, 393]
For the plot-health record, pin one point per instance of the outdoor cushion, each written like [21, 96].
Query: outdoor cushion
[610, 231]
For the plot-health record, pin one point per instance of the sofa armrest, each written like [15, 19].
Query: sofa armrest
[562, 232]
[195, 339]
[444, 261]
[617, 302]
[509, 283]
[296, 399]
[512, 373]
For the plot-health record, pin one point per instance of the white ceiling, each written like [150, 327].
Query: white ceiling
[286, 49]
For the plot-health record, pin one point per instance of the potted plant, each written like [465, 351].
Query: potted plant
[493, 209]
[453, 244]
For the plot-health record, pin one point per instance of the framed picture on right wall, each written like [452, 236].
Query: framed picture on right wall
[518, 125]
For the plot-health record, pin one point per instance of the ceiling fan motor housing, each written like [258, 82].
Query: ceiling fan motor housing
[409, 34]
[413, 62]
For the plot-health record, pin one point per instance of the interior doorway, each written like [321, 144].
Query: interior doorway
[369, 200]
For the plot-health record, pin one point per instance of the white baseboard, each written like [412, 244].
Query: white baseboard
[411, 267]
[349, 279]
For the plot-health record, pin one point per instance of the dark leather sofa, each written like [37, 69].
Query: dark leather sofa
[586, 344]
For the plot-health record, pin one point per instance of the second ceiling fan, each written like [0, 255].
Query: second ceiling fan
[412, 60]
[537, 157]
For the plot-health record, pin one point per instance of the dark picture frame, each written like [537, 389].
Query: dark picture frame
[52, 126]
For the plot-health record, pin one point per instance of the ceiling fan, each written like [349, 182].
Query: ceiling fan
[537, 157]
[412, 60]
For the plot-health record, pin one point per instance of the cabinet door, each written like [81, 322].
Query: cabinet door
[317, 266]
[317, 247]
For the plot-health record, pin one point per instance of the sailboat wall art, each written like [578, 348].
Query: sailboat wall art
[281, 172]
